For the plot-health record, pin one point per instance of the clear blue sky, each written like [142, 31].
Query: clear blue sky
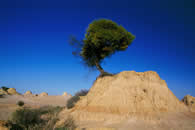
[35, 55]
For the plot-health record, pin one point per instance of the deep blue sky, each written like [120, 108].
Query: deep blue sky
[35, 55]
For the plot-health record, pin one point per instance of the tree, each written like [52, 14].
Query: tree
[102, 39]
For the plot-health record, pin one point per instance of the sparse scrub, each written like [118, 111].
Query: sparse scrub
[50, 110]
[82, 92]
[20, 103]
[2, 95]
[43, 118]
[12, 126]
[26, 117]
[71, 102]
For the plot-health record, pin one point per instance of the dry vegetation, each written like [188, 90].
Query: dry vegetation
[73, 100]
[43, 118]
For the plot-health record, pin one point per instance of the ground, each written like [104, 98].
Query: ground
[176, 122]
[162, 121]
[170, 121]
[8, 104]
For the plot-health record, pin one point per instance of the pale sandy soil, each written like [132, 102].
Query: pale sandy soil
[162, 121]
[8, 103]
[180, 121]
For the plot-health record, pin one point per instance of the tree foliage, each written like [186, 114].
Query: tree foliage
[102, 39]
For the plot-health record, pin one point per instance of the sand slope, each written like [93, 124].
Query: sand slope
[130, 92]
[130, 100]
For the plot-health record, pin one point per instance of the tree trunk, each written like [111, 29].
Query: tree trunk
[98, 66]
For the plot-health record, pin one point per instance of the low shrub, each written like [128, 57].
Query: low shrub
[71, 102]
[20, 103]
[82, 92]
[49, 110]
[2, 95]
[12, 126]
[43, 118]
[26, 117]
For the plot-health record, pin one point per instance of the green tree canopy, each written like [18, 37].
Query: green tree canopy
[102, 39]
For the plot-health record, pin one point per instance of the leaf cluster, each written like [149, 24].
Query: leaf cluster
[102, 39]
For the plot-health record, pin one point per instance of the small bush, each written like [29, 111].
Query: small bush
[50, 110]
[26, 117]
[82, 92]
[15, 127]
[43, 118]
[71, 102]
[20, 103]
[2, 95]
[12, 126]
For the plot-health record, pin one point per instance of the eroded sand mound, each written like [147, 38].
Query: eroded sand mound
[127, 93]
[28, 93]
[43, 94]
[190, 102]
[130, 91]
[3, 92]
[66, 94]
[12, 91]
